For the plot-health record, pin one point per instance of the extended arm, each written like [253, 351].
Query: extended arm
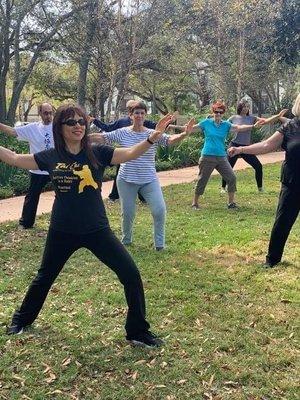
[195, 128]
[8, 130]
[271, 144]
[25, 161]
[96, 138]
[188, 129]
[275, 118]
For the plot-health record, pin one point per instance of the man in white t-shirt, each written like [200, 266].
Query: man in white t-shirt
[39, 135]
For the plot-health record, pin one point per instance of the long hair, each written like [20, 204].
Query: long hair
[240, 106]
[296, 107]
[63, 113]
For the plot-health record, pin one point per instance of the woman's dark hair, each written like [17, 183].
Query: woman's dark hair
[137, 105]
[63, 113]
[240, 106]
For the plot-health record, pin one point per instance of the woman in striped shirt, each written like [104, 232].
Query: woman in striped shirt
[140, 175]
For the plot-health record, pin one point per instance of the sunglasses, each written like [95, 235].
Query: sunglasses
[74, 122]
[219, 112]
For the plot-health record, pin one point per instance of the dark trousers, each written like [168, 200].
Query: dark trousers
[251, 160]
[37, 183]
[114, 194]
[286, 215]
[108, 249]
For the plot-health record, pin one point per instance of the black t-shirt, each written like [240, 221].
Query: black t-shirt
[291, 144]
[78, 207]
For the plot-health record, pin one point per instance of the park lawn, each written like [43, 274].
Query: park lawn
[230, 327]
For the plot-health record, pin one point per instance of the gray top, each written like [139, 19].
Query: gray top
[243, 138]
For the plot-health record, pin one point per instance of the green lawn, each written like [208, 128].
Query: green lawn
[230, 327]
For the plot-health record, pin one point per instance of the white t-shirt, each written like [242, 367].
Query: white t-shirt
[39, 137]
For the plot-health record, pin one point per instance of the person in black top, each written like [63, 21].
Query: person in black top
[78, 216]
[286, 137]
[112, 126]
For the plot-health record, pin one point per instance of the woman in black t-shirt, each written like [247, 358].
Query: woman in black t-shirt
[288, 138]
[78, 216]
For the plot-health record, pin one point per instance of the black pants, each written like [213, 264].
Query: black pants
[37, 183]
[251, 160]
[286, 215]
[114, 194]
[108, 249]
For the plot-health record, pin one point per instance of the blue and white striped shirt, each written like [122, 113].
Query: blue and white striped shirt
[141, 170]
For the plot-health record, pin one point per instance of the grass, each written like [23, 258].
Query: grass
[231, 328]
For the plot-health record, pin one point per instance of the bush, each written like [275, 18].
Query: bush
[19, 181]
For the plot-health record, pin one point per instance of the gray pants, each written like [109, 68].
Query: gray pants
[206, 166]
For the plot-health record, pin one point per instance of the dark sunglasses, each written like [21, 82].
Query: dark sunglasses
[74, 122]
[219, 112]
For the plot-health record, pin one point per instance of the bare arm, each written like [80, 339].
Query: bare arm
[240, 128]
[275, 118]
[196, 128]
[25, 161]
[273, 143]
[8, 130]
[180, 136]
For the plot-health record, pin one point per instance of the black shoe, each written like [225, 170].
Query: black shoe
[145, 339]
[159, 248]
[15, 330]
[232, 206]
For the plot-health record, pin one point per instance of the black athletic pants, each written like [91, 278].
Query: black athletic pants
[252, 160]
[37, 183]
[286, 215]
[108, 249]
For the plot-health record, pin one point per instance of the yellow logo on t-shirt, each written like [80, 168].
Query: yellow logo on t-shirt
[86, 178]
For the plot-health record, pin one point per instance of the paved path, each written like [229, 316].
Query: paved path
[10, 209]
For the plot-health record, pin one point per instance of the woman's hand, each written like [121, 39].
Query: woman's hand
[161, 127]
[190, 126]
[234, 151]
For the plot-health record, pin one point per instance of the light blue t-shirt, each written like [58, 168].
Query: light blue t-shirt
[214, 137]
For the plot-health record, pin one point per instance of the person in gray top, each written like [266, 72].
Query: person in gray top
[244, 139]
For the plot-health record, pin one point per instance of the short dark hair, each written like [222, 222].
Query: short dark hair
[137, 105]
[64, 112]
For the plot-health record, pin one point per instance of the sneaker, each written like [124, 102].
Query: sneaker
[260, 190]
[268, 264]
[112, 200]
[15, 330]
[145, 339]
[232, 206]
[159, 248]
[195, 207]
[223, 191]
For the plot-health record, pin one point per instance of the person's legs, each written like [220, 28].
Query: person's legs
[256, 165]
[232, 161]
[206, 166]
[286, 215]
[37, 183]
[128, 192]
[114, 194]
[154, 197]
[226, 171]
[108, 249]
[59, 247]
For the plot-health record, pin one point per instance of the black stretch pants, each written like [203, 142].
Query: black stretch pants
[286, 215]
[108, 249]
[37, 183]
[114, 194]
[250, 159]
